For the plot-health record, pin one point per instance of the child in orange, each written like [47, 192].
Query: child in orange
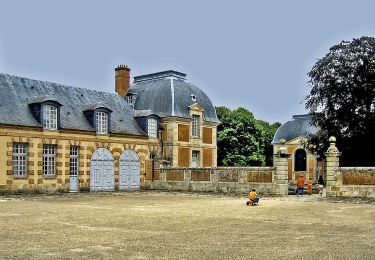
[300, 185]
[309, 186]
[253, 196]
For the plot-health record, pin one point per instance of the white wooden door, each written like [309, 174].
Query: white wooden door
[102, 174]
[129, 171]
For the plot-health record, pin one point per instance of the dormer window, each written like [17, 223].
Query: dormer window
[50, 117]
[99, 116]
[101, 123]
[130, 98]
[193, 98]
[152, 127]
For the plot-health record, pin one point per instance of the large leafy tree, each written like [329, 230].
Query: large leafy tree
[242, 139]
[343, 96]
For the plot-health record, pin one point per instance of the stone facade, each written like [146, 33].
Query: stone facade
[63, 139]
[178, 142]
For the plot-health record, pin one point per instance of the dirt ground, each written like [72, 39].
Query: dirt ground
[144, 225]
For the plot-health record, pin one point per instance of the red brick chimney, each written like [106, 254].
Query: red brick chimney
[122, 79]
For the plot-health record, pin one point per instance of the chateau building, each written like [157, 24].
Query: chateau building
[301, 160]
[187, 118]
[61, 137]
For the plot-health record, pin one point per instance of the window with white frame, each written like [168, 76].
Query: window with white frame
[129, 99]
[195, 129]
[49, 160]
[49, 117]
[74, 160]
[19, 160]
[101, 123]
[152, 127]
[195, 159]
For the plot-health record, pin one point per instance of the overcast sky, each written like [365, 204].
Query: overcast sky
[253, 54]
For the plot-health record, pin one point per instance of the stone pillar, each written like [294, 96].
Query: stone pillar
[333, 181]
[280, 177]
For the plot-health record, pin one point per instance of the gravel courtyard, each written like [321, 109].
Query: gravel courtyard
[144, 225]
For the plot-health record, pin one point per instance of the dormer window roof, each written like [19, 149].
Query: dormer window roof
[46, 111]
[99, 116]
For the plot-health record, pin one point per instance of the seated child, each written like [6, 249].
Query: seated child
[253, 196]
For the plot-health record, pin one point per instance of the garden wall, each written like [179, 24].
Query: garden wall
[218, 179]
[347, 181]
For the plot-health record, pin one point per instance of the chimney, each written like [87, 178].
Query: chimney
[122, 79]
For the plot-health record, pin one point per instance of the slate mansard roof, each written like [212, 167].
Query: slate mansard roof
[16, 93]
[167, 94]
[301, 125]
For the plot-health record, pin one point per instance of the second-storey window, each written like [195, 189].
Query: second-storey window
[152, 127]
[101, 123]
[195, 129]
[74, 160]
[49, 160]
[49, 117]
[19, 159]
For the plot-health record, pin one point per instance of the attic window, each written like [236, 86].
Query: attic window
[193, 97]
[130, 99]
[50, 117]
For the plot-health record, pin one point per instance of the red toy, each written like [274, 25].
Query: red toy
[251, 203]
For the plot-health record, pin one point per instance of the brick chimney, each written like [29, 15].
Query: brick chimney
[122, 79]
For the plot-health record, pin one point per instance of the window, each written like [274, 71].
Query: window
[300, 160]
[193, 97]
[74, 160]
[195, 160]
[49, 117]
[49, 160]
[129, 99]
[19, 159]
[152, 127]
[195, 126]
[101, 123]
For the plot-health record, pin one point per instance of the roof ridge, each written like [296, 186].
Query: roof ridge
[59, 84]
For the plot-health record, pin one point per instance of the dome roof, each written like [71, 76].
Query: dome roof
[168, 94]
[301, 125]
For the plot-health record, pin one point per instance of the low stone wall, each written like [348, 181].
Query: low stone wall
[219, 179]
[358, 175]
[356, 182]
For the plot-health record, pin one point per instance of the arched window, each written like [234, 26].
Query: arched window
[49, 117]
[300, 160]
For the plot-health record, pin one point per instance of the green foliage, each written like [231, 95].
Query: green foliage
[343, 93]
[243, 140]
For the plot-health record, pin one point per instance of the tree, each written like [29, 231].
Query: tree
[243, 140]
[343, 96]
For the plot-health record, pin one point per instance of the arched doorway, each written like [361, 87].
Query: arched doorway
[130, 169]
[300, 160]
[102, 174]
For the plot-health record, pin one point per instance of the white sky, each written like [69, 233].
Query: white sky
[253, 54]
